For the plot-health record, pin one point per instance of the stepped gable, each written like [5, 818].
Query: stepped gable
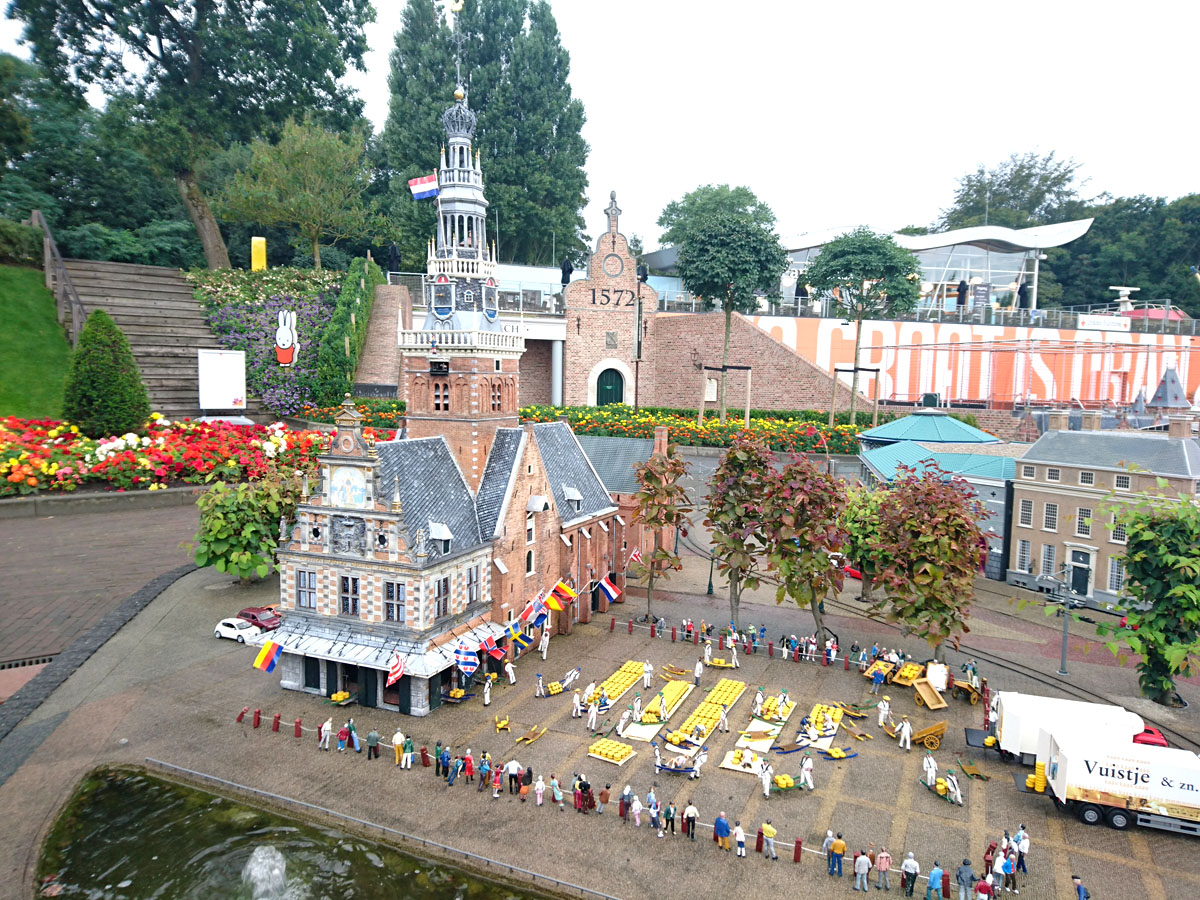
[432, 492]
[578, 491]
[499, 479]
[1170, 393]
[1028, 431]
[164, 323]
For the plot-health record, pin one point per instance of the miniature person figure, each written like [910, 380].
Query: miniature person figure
[354, 735]
[929, 764]
[406, 761]
[662, 707]
[952, 788]
[487, 690]
[806, 772]
[510, 672]
[468, 766]
[497, 782]
[733, 660]
[372, 744]
[593, 712]
[398, 744]
[605, 703]
[758, 702]
[810, 731]
[764, 773]
[588, 692]
[624, 721]
[636, 809]
[544, 644]
[769, 833]
[708, 653]
[539, 789]
[699, 670]
[569, 678]
[343, 735]
[647, 674]
[723, 724]
[576, 706]
[781, 703]
[323, 734]
[862, 660]
[540, 691]
[657, 757]
[455, 768]
[905, 732]
[637, 706]
[701, 759]
[885, 710]
[739, 838]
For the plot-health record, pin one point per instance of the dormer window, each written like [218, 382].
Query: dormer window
[441, 535]
[574, 498]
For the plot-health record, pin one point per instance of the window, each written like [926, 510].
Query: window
[1054, 474]
[306, 589]
[1121, 482]
[1025, 517]
[445, 544]
[1049, 552]
[528, 562]
[472, 585]
[1083, 522]
[441, 597]
[393, 602]
[1027, 471]
[1087, 477]
[497, 396]
[1023, 560]
[1050, 519]
[529, 529]
[349, 605]
[1116, 575]
[1118, 534]
[497, 365]
[441, 396]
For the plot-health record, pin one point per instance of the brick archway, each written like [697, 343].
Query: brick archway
[603, 365]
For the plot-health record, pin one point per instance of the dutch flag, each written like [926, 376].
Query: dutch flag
[424, 187]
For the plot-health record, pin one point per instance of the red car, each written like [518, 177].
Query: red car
[264, 618]
[1151, 736]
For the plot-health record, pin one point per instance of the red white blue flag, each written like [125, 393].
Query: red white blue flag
[611, 591]
[424, 187]
[489, 647]
[465, 658]
[636, 555]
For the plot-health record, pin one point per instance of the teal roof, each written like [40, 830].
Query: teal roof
[927, 425]
[884, 461]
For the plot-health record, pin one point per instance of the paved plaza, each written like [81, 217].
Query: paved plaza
[163, 688]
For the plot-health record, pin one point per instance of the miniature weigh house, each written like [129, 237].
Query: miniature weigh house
[414, 545]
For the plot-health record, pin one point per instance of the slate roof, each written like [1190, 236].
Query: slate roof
[1153, 451]
[567, 466]
[1170, 393]
[498, 478]
[926, 425]
[885, 460]
[614, 459]
[432, 489]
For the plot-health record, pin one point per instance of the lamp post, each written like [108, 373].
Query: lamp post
[1061, 591]
[711, 559]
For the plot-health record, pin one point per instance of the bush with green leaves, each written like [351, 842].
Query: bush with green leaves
[20, 244]
[104, 394]
[164, 242]
[239, 526]
[347, 329]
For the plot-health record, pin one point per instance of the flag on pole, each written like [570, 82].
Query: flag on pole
[636, 555]
[540, 612]
[563, 592]
[268, 656]
[396, 672]
[611, 591]
[518, 637]
[489, 647]
[424, 187]
[466, 659]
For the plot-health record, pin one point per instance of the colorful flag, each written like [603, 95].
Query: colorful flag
[636, 555]
[518, 638]
[562, 592]
[540, 612]
[554, 603]
[268, 656]
[396, 672]
[489, 647]
[611, 591]
[465, 658]
[424, 187]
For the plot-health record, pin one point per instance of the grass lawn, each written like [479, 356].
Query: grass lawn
[34, 352]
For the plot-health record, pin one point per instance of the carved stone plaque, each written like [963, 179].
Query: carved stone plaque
[349, 535]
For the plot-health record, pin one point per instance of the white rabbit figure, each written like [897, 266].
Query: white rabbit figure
[286, 343]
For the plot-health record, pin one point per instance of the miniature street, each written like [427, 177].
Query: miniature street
[163, 689]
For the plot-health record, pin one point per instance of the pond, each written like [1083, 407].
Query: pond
[126, 835]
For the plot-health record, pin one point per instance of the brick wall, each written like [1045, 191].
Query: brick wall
[535, 374]
[999, 422]
[380, 360]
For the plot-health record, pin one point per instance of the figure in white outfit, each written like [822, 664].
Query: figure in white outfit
[758, 702]
[781, 703]
[657, 758]
[588, 692]
[733, 660]
[637, 706]
[701, 759]
[647, 674]
[510, 672]
[954, 791]
[541, 688]
[544, 645]
[885, 709]
[576, 706]
[929, 764]
[487, 691]
[624, 721]
[593, 709]
[708, 653]
[723, 725]
[905, 731]
[806, 772]
[570, 677]
[765, 774]
[662, 707]
[323, 736]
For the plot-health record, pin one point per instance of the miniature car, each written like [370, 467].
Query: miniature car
[1151, 736]
[264, 618]
[1125, 623]
[237, 629]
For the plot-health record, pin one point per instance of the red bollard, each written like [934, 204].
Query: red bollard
[242, 715]
[749, 648]
[824, 657]
[847, 666]
[631, 626]
[796, 853]
[612, 624]
[796, 655]
[758, 844]
[425, 757]
[653, 631]
[257, 717]
[720, 642]
[770, 648]
[299, 730]
[715, 841]
[673, 630]
[945, 883]
[275, 722]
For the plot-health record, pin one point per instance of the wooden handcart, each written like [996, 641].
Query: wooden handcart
[932, 736]
[880, 665]
[927, 695]
[964, 690]
[906, 674]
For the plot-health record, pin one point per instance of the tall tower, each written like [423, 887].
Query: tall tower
[460, 368]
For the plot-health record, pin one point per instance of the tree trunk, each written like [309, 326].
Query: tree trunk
[649, 595]
[858, 330]
[814, 603]
[317, 254]
[194, 201]
[868, 587]
[725, 358]
[735, 596]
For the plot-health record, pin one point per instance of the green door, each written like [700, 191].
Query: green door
[610, 388]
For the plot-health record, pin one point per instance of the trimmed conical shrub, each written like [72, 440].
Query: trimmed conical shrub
[104, 393]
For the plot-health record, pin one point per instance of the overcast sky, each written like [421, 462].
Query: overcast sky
[839, 114]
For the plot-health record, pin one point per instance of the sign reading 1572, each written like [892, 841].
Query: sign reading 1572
[609, 297]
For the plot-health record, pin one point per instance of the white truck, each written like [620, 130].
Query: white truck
[1021, 718]
[1108, 778]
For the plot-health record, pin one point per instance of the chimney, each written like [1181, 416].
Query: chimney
[1090, 420]
[1179, 427]
[1058, 420]
[660, 439]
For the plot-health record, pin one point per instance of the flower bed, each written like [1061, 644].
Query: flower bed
[376, 413]
[39, 455]
[618, 420]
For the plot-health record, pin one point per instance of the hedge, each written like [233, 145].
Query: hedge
[347, 329]
[20, 244]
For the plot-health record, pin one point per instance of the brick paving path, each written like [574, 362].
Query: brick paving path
[380, 360]
[61, 574]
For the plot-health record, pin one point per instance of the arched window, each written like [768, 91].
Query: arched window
[441, 396]
[497, 396]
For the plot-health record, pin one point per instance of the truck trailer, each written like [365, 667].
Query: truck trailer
[1021, 718]
[1110, 779]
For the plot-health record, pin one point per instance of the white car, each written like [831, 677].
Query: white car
[238, 630]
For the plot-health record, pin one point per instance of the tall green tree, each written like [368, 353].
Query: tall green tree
[681, 216]
[663, 506]
[1024, 190]
[934, 551]
[529, 131]
[104, 394]
[734, 514]
[1162, 570]
[869, 276]
[730, 260]
[802, 524]
[867, 547]
[204, 73]
[16, 133]
[312, 181]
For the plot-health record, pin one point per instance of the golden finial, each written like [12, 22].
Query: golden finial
[459, 93]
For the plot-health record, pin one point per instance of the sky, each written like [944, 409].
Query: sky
[864, 113]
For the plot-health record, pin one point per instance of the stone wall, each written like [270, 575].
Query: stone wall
[535, 374]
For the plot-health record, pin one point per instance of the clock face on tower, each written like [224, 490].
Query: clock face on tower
[348, 488]
[613, 265]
